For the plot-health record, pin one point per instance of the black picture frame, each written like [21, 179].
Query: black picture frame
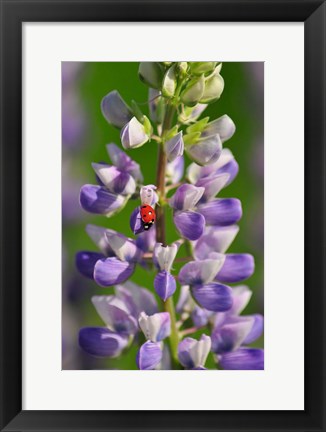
[13, 14]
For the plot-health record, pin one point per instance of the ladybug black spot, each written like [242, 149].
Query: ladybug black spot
[145, 206]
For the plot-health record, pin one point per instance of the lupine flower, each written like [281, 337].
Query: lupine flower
[115, 110]
[206, 223]
[133, 134]
[120, 314]
[174, 147]
[117, 184]
[155, 328]
[231, 330]
[164, 283]
[192, 353]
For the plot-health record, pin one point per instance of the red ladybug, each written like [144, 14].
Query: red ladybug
[148, 216]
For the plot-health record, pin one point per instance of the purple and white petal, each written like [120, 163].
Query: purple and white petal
[164, 256]
[223, 126]
[116, 181]
[185, 301]
[115, 110]
[221, 212]
[149, 355]
[165, 285]
[213, 296]
[116, 314]
[231, 335]
[186, 197]
[214, 239]
[98, 200]
[85, 262]
[256, 330]
[200, 316]
[124, 248]
[241, 295]
[112, 271]
[200, 272]
[213, 185]
[243, 359]
[133, 134]
[155, 327]
[192, 353]
[143, 300]
[236, 268]
[174, 170]
[146, 240]
[206, 151]
[227, 165]
[148, 196]
[122, 161]
[98, 235]
[174, 147]
[190, 224]
[101, 342]
[135, 222]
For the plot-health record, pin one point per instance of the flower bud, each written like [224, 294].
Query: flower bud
[133, 134]
[205, 151]
[169, 84]
[148, 196]
[199, 68]
[174, 147]
[194, 91]
[155, 327]
[213, 89]
[190, 114]
[151, 73]
[156, 106]
[223, 126]
[192, 354]
[115, 109]
[164, 255]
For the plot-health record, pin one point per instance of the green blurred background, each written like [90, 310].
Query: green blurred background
[85, 133]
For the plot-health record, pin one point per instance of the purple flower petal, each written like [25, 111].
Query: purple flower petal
[213, 296]
[122, 161]
[215, 239]
[231, 335]
[112, 271]
[116, 314]
[174, 170]
[236, 268]
[186, 197]
[200, 316]
[155, 327]
[146, 240]
[223, 126]
[138, 298]
[206, 151]
[164, 284]
[213, 185]
[192, 354]
[115, 110]
[124, 248]
[133, 134]
[135, 222]
[85, 262]
[98, 235]
[221, 212]
[190, 224]
[243, 359]
[241, 296]
[200, 272]
[174, 147]
[98, 200]
[149, 355]
[256, 330]
[116, 181]
[101, 342]
[148, 196]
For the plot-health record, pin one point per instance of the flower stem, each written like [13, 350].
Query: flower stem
[160, 228]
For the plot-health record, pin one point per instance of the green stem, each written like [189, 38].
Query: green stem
[160, 229]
